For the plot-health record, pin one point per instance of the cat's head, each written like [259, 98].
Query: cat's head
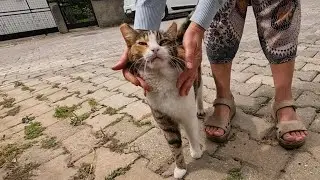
[153, 49]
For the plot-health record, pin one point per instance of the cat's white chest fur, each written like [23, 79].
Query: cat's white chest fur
[165, 96]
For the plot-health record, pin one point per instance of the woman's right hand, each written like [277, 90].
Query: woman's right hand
[138, 81]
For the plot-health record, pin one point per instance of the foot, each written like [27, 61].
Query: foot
[179, 173]
[201, 114]
[287, 114]
[196, 153]
[222, 111]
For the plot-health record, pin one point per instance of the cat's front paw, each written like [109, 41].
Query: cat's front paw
[179, 173]
[201, 114]
[196, 154]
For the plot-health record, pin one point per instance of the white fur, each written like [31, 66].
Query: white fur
[179, 173]
[165, 97]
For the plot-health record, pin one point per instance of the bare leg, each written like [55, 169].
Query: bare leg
[222, 76]
[282, 77]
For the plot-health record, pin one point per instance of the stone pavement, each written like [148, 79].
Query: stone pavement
[66, 115]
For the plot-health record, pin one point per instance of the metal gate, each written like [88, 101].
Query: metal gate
[77, 13]
[20, 16]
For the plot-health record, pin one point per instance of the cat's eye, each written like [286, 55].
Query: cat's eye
[164, 41]
[142, 43]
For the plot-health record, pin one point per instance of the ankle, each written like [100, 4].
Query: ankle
[224, 94]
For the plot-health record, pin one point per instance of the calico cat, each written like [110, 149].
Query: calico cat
[156, 56]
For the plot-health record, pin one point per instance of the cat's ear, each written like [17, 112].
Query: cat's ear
[129, 34]
[172, 30]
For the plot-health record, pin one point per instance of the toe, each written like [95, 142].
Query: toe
[219, 132]
[288, 137]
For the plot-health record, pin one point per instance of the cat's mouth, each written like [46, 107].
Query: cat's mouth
[154, 58]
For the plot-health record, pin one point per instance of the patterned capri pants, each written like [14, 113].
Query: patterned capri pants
[278, 26]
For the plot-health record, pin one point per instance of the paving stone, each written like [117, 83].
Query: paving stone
[261, 79]
[256, 127]
[307, 60]
[62, 130]
[128, 88]
[268, 91]
[138, 110]
[240, 76]
[268, 159]
[306, 86]
[113, 83]
[80, 144]
[83, 88]
[139, 94]
[40, 87]
[307, 114]
[139, 171]
[303, 166]
[102, 120]
[47, 119]
[305, 75]
[317, 79]
[127, 131]
[298, 65]
[39, 155]
[258, 70]
[307, 53]
[19, 95]
[70, 101]
[239, 67]
[249, 104]
[55, 169]
[208, 95]
[309, 99]
[259, 62]
[208, 168]
[208, 82]
[155, 148]
[243, 88]
[58, 96]
[108, 161]
[100, 79]
[10, 121]
[99, 95]
[84, 75]
[117, 101]
[47, 91]
[315, 126]
[311, 67]
[250, 173]
[28, 103]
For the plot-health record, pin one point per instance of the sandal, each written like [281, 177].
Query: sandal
[220, 122]
[284, 127]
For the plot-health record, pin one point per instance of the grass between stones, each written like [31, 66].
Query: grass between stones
[85, 172]
[63, 112]
[33, 130]
[21, 172]
[14, 111]
[235, 174]
[50, 143]
[10, 152]
[111, 111]
[7, 102]
[118, 172]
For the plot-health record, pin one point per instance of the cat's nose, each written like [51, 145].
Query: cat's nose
[155, 49]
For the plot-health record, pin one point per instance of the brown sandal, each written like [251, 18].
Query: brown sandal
[284, 127]
[219, 122]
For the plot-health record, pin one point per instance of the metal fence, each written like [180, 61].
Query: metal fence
[17, 16]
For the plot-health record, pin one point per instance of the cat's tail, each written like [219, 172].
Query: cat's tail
[183, 28]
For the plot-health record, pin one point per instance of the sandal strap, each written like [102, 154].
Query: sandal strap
[279, 105]
[289, 126]
[223, 101]
[217, 121]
